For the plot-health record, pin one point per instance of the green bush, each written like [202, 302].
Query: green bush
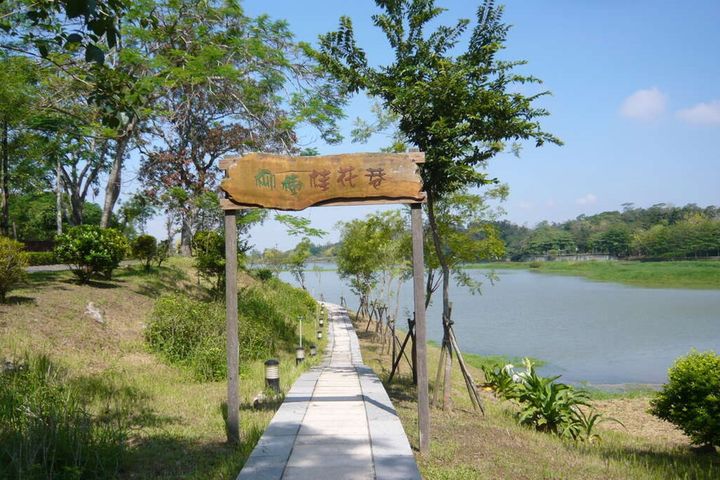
[91, 250]
[209, 251]
[47, 430]
[145, 248]
[191, 333]
[41, 258]
[263, 274]
[13, 261]
[691, 398]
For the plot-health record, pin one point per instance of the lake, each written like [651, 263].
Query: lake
[600, 333]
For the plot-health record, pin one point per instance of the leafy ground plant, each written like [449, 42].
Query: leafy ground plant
[546, 404]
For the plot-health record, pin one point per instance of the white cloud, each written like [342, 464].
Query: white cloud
[702, 113]
[589, 199]
[646, 104]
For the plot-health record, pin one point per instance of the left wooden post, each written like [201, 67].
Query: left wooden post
[231, 321]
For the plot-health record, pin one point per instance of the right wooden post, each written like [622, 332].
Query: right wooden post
[420, 337]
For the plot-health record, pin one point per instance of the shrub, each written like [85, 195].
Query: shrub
[13, 261]
[263, 274]
[191, 333]
[145, 248]
[209, 251]
[691, 398]
[47, 430]
[163, 252]
[91, 250]
[41, 258]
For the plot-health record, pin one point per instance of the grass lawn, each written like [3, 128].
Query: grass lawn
[177, 423]
[468, 445]
[681, 274]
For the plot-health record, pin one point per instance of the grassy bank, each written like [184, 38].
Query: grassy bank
[172, 423]
[467, 445]
[685, 274]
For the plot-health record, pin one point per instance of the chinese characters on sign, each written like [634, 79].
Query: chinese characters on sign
[295, 183]
[319, 179]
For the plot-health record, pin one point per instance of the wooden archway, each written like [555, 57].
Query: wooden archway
[261, 180]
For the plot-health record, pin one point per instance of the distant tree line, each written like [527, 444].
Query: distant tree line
[662, 231]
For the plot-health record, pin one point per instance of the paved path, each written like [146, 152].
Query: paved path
[337, 422]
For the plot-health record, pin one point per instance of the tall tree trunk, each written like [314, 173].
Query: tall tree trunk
[186, 233]
[114, 183]
[58, 196]
[445, 299]
[76, 204]
[4, 169]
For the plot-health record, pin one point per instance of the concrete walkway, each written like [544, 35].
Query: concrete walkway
[337, 422]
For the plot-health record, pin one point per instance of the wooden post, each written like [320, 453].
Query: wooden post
[420, 337]
[231, 319]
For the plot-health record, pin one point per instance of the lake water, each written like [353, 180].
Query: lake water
[601, 333]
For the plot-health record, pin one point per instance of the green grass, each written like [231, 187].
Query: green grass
[175, 425]
[680, 274]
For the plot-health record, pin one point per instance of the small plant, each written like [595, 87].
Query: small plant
[90, 250]
[209, 251]
[13, 261]
[163, 252]
[500, 380]
[691, 398]
[145, 248]
[263, 274]
[545, 404]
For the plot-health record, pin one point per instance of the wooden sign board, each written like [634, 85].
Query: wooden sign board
[295, 183]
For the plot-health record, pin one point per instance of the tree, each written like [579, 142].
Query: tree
[460, 109]
[18, 150]
[297, 260]
[226, 80]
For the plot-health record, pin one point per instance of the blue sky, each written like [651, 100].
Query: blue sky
[636, 99]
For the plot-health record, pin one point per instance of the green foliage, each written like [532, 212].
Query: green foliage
[464, 223]
[545, 404]
[263, 274]
[691, 398]
[660, 232]
[47, 429]
[163, 252]
[91, 250]
[191, 333]
[13, 261]
[297, 260]
[145, 248]
[370, 246]
[209, 251]
[41, 258]
[458, 108]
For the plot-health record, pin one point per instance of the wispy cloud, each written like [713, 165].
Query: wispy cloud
[647, 104]
[588, 199]
[703, 113]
